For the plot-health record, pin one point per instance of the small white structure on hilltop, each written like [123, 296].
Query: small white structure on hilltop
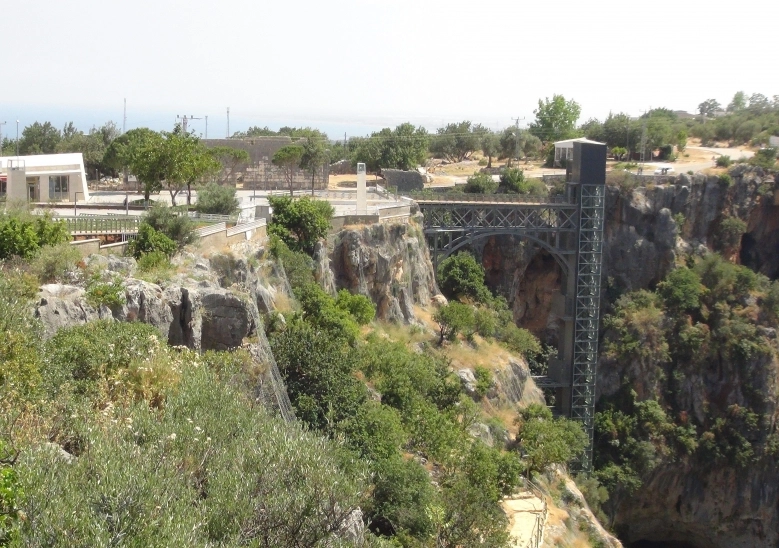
[563, 150]
[43, 178]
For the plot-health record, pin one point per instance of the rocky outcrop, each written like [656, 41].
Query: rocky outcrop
[720, 508]
[389, 264]
[213, 305]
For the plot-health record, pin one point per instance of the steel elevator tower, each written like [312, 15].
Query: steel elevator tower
[570, 228]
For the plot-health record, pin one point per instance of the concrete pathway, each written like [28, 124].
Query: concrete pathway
[523, 510]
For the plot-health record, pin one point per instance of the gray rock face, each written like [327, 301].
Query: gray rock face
[468, 380]
[227, 319]
[389, 264]
[204, 318]
[514, 385]
[65, 305]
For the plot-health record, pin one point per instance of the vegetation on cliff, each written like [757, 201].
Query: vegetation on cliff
[697, 358]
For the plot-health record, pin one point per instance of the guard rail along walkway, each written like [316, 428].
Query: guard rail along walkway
[570, 228]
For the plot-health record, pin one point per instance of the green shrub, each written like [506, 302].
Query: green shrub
[724, 180]
[544, 440]
[105, 293]
[485, 322]
[513, 181]
[86, 353]
[724, 161]
[217, 199]
[376, 431]
[482, 162]
[212, 469]
[154, 260]
[20, 343]
[359, 306]
[318, 372]
[168, 221]
[320, 310]
[52, 263]
[149, 240]
[765, 158]
[483, 380]
[480, 183]
[22, 234]
[403, 496]
[299, 223]
[731, 229]
[519, 340]
[681, 290]
[298, 267]
[452, 319]
[10, 497]
[461, 276]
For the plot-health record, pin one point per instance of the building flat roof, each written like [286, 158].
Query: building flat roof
[39, 161]
[568, 143]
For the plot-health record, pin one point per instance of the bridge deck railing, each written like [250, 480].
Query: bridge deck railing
[489, 198]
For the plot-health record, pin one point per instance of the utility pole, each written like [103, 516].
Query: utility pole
[643, 139]
[206, 127]
[184, 121]
[1, 137]
[17, 138]
[517, 120]
[124, 119]
[228, 123]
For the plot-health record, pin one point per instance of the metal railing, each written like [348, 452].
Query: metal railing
[101, 224]
[213, 229]
[488, 198]
[245, 227]
[212, 217]
[537, 536]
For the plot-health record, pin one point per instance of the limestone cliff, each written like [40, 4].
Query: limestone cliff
[390, 264]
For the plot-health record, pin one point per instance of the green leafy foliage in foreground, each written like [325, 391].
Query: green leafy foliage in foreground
[23, 234]
[128, 442]
[703, 327]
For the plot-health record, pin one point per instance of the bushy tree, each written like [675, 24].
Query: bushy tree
[217, 199]
[456, 142]
[318, 371]
[39, 138]
[480, 183]
[287, 158]
[555, 118]
[461, 276]
[405, 147]
[300, 223]
[490, 146]
[453, 318]
[321, 311]
[681, 290]
[359, 306]
[149, 240]
[169, 222]
[544, 440]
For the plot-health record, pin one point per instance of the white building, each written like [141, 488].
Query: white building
[43, 178]
[563, 150]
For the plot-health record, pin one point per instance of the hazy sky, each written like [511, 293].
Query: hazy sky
[356, 66]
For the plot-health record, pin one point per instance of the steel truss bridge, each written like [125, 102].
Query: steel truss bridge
[570, 228]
